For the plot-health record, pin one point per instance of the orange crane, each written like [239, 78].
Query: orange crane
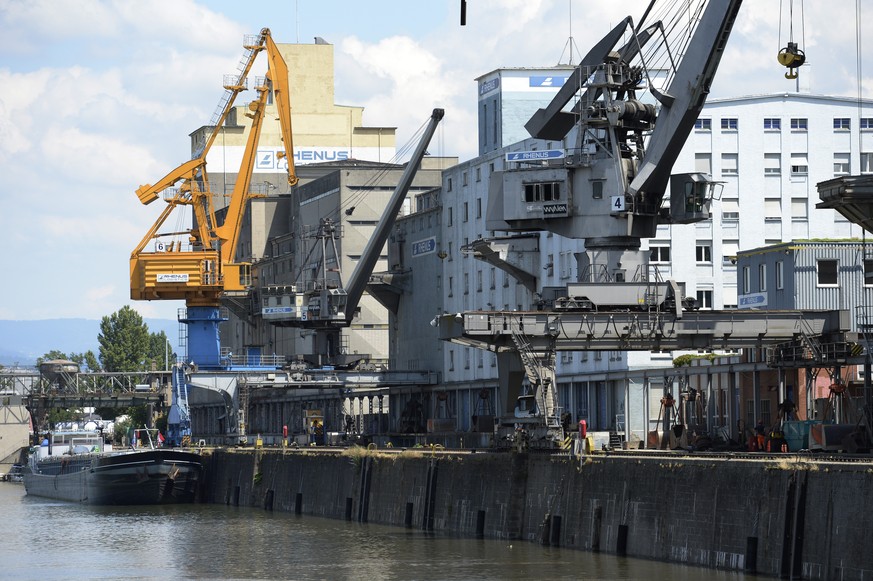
[205, 269]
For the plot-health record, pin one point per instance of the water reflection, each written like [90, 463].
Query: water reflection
[53, 540]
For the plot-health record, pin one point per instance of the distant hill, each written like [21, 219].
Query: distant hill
[21, 342]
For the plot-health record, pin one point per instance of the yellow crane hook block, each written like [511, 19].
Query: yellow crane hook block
[791, 57]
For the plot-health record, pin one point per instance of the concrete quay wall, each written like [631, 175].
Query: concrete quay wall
[786, 517]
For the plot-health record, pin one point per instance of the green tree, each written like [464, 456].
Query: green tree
[158, 350]
[86, 360]
[124, 341]
[50, 356]
[58, 415]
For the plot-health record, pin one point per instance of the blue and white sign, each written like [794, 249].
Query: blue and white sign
[318, 155]
[539, 81]
[266, 160]
[752, 301]
[172, 277]
[422, 247]
[488, 86]
[278, 310]
[535, 155]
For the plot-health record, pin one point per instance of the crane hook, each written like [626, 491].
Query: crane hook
[791, 57]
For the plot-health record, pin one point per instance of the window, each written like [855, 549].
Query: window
[660, 254]
[597, 190]
[451, 360]
[545, 192]
[478, 174]
[451, 285]
[466, 212]
[449, 216]
[493, 278]
[703, 124]
[799, 209]
[485, 117]
[449, 185]
[772, 124]
[866, 162]
[495, 123]
[827, 272]
[747, 274]
[729, 249]
[780, 273]
[799, 124]
[842, 166]
[704, 253]
[479, 281]
[868, 272]
[772, 164]
[451, 254]
[478, 207]
[765, 411]
[773, 209]
[703, 163]
[466, 283]
[842, 123]
[866, 123]
[464, 178]
[729, 164]
[799, 164]
[704, 299]
[566, 260]
[729, 124]
[762, 277]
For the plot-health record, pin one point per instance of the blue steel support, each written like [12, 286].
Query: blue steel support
[204, 346]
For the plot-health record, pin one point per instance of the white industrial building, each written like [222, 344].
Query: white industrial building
[769, 151]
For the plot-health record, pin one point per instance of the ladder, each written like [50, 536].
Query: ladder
[234, 83]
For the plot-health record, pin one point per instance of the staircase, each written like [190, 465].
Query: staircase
[180, 383]
[242, 408]
[540, 370]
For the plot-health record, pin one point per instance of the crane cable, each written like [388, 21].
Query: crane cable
[791, 56]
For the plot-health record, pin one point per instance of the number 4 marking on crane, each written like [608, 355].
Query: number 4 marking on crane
[618, 204]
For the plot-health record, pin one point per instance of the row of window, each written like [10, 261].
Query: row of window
[827, 274]
[762, 277]
[465, 181]
[465, 212]
[661, 254]
[799, 164]
[492, 286]
[775, 123]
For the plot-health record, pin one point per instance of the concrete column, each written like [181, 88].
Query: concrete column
[756, 394]
[646, 405]
[732, 404]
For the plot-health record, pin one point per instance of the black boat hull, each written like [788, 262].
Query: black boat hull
[161, 476]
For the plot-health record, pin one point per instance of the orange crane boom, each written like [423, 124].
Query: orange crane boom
[204, 270]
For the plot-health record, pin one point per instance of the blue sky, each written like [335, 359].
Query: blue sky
[99, 96]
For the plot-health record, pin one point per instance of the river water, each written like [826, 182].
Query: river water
[44, 539]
